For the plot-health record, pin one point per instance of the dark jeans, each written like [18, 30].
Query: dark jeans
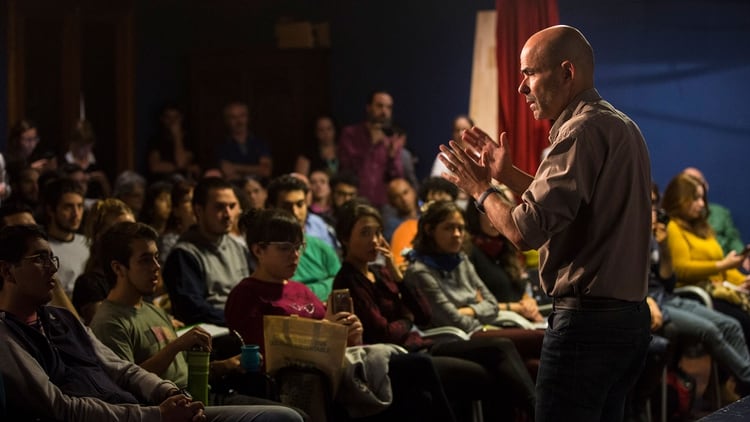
[590, 360]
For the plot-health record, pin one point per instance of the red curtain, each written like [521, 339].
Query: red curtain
[517, 20]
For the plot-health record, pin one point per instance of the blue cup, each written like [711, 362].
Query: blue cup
[250, 357]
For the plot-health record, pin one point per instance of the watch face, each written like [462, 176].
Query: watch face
[186, 393]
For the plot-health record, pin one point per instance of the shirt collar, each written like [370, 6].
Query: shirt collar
[575, 106]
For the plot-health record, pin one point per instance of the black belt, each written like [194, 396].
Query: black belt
[591, 303]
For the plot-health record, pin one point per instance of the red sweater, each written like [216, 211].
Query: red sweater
[252, 298]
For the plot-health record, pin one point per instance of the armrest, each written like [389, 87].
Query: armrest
[695, 292]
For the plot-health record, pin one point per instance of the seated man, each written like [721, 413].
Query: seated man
[402, 206]
[206, 262]
[63, 206]
[54, 369]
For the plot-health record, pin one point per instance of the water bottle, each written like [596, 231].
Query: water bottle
[198, 365]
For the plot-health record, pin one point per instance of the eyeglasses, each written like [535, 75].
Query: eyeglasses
[288, 247]
[45, 259]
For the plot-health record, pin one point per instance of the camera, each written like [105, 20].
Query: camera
[662, 216]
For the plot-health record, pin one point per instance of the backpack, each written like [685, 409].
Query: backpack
[680, 394]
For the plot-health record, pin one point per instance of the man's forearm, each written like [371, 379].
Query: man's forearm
[517, 181]
[499, 213]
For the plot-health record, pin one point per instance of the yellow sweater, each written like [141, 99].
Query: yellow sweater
[694, 258]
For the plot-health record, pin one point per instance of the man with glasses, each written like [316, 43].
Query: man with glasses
[55, 370]
[319, 262]
[206, 262]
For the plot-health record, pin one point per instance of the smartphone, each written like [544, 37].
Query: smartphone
[341, 301]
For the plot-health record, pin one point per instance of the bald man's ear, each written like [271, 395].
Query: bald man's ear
[5, 270]
[568, 69]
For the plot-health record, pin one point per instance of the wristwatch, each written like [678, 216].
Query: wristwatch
[182, 391]
[483, 197]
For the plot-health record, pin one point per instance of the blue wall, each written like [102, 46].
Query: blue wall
[681, 70]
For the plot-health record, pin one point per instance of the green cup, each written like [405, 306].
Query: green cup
[197, 361]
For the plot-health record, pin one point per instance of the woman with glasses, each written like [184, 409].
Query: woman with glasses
[276, 241]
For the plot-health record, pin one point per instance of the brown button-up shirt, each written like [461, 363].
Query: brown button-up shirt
[588, 210]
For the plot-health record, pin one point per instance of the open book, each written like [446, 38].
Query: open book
[212, 329]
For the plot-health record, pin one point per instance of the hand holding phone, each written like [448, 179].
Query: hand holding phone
[341, 301]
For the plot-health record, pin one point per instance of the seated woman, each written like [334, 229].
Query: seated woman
[697, 257]
[497, 263]
[275, 239]
[444, 276]
[389, 313]
[180, 218]
[169, 152]
[157, 206]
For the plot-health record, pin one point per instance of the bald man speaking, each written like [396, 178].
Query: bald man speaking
[588, 212]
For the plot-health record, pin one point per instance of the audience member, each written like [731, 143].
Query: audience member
[206, 263]
[81, 153]
[169, 151]
[130, 188]
[497, 263]
[157, 206]
[242, 154]
[243, 203]
[441, 272]
[63, 204]
[587, 215]
[92, 286]
[25, 188]
[180, 219]
[319, 263]
[697, 256]
[719, 218]
[402, 205]
[22, 151]
[344, 188]
[18, 214]
[320, 188]
[48, 354]
[276, 240]
[15, 214]
[320, 154]
[367, 151]
[256, 190]
[408, 159]
[461, 123]
[390, 313]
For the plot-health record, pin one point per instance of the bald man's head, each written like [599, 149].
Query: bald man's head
[557, 64]
[697, 175]
[561, 42]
